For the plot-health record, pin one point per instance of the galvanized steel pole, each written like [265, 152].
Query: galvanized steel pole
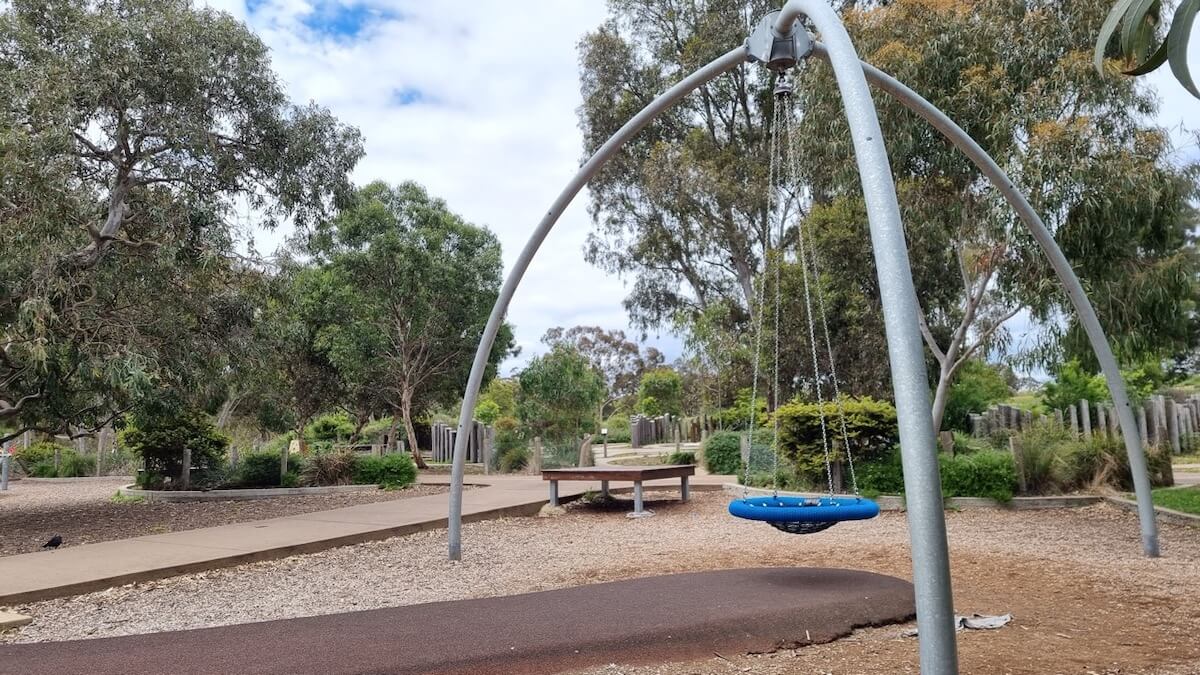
[1062, 267]
[906, 350]
[724, 64]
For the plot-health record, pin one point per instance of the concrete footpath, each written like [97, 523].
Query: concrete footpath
[82, 569]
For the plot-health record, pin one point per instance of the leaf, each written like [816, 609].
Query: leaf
[1151, 64]
[1177, 43]
[1132, 23]
[1107, 29]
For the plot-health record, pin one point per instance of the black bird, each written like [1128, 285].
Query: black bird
[54, 542]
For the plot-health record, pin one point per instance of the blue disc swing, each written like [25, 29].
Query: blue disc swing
[797, 515]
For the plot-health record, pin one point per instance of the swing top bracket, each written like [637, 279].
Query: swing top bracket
[777, 51]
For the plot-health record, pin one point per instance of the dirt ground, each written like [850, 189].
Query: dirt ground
[1083, 598]
[84, 512]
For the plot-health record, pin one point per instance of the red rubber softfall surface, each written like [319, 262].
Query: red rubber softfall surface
[646, 620]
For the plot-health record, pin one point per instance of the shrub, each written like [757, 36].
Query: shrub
[618, 429]
[514, 459]
[73, 465]
[159, 440]
[487, 411]
[389, 471]
[723, 453]
[682, 457]
[44, 469]
[333, 468]
[1072, 384]
[660, 392]
[977, 385]
[37, 453]
[989, 474]
[259, 469]
[870, 428]
[333, 427]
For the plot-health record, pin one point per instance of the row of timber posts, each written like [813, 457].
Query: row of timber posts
[645, 430]
[1163, 422]
[480, 444]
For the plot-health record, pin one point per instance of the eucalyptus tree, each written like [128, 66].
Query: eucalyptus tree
[406, 287]
[619, 361]
[1016, 76]
[130, 129]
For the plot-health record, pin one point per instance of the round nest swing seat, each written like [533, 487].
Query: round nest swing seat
[803, 515]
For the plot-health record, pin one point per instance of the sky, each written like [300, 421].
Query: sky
[477, 101]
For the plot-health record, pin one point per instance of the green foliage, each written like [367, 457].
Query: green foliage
[737, 416]
[618, 429]
[870, 427]
[38, 453]
[392, 471]
[119, 498]
[74, 465]
[1138, 22]
[977, 385]
[1072, 384]
[333, 427]
[502, 392]
[681, 457]
[487, 412]
[1057, 461]
[514, 459]
[1143, 380]
[988, 473]
[660, 392]
[159, 438]
[723, 453]
[129, 130]
[331, 468]
[559, 394]
[403, 286]
[259, 469]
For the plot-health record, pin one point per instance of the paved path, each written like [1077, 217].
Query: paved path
[647, 620]
[81, 569]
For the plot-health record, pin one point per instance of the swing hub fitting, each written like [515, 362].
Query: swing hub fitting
[777, 51]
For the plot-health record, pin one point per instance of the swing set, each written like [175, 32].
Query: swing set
[796, 515]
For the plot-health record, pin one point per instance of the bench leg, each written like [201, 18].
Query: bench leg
[604, 489]
[553, 493]
[637, 498]
[683, 488]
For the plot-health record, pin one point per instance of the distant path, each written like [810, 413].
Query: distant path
[648, 620]
[80, 569]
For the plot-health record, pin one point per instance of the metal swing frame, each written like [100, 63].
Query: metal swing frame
[782, 46]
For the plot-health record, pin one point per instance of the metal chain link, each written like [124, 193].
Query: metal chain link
[812, 337]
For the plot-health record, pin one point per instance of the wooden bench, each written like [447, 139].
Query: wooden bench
[636, 474]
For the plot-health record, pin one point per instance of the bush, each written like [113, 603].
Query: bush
[870, 427]
[681, 457]
[392, 471]
[333, 427]
[987, 473]
[660, 392]
[44, 469]
[333, 468]
[1072, 384]
[990, 474]
[723, 453]
[514, 459]
[618, 429]
[37, 453]
[487, 411]
[74, 465]
[159, 440]
[259, 469]
[976, 386]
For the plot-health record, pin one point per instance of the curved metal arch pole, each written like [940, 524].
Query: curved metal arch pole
[1062, 267]
[719, 66]
[906, 349]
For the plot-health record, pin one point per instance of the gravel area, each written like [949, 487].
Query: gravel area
[84, 512]
[1083, 598]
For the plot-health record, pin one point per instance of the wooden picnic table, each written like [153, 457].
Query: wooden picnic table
[635, 474]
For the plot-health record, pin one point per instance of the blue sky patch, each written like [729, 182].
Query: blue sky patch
[408, 96]
[341, 20]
